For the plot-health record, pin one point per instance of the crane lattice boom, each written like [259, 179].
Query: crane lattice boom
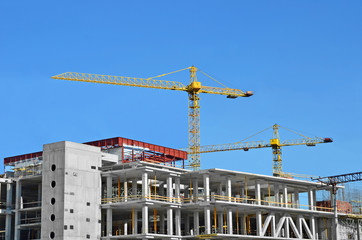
[193, 89]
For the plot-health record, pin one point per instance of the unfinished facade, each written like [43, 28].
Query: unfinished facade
[124, 189]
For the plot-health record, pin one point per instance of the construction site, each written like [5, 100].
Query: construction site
[120, 188]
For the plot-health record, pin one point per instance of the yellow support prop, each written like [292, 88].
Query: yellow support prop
[133, 220]
[155, 220]
[215, 222]
[237, 221]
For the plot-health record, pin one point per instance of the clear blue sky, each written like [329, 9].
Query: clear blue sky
[302, 59]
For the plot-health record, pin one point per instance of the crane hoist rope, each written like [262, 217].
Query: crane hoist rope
[194, 88]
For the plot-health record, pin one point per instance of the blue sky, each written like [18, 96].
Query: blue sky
[302, 59]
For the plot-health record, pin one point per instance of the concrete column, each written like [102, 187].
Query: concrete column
[220, 189]
[299, 223]
[169, 189]
[207, 187]
[187, 224]
[228, 189]
[144, 216]
[135, 223]
[257, 192]
[145, 186]
[272, 228]
[39, 193]
[230, 221]
[109, 187]
[196, 223]
[312, 226]
[207, 220]
[314, 199]
[220, 222]
[134, 188]
[125, 187]
[177, 188]
[310, 199]
[178, 221]
[276, 194]
[125, 228]
[296, 199]
[109, 222]
[162, 222]
[285, 196]
[8, 220]
[259, 224]
[243, 224]
[335, 220]
[286, 228]
[18, 205]
[169, 221]
[195, 191]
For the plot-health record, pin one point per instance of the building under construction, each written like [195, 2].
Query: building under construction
[125, 189]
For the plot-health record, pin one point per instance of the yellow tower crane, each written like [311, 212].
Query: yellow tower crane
[194, 88]
[274, 143]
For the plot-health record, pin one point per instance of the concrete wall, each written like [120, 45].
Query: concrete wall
[77, 191]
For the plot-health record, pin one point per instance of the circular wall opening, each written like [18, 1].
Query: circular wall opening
[53, 167]
[53, 184]
[52, 235]
[52, 201]
[52, 217]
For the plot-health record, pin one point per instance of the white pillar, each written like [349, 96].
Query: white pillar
[312, 226]
[144, 217]
[207, 220]
[228, 189]
[144, 184]
[169, 221]
[310, 199]
[272, 228]
[285, 196]
[257, 192]
[125, 187]
[196, 223]
[109, 222]
[230, 221]
[286, 228]
[207, 187]
[178, 221]
[125, 228]
[259, 224]
[169, 189]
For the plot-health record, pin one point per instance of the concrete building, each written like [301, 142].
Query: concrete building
[124, 189]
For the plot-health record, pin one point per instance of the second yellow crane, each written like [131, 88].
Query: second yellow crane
[274, 143]
[194, 88]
